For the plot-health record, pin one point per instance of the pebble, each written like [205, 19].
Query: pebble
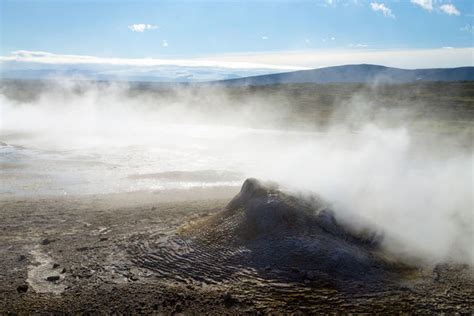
[228, 299]
[53, 278]
[45, 241]
[22, 288]
[178, 308]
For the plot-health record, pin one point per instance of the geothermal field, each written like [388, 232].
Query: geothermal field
[224, 199]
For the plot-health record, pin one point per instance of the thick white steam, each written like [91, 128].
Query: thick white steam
[375, 171]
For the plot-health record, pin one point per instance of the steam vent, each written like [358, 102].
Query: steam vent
[267, 234]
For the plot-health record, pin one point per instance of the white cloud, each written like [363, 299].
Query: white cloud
[325, 39]
[281, 60]
[359, 45]
[164, 43]
[25, 56]
[449, 9]
[425, 4]
[422, 58]
[307, 40]
[382, 8]
[142, 27]
[331, 2]
[264, 37]
[447, 47]
[468, 28]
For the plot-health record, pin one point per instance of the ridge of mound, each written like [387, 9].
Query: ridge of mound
[265, 229]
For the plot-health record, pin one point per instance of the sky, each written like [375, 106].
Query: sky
[273, 34]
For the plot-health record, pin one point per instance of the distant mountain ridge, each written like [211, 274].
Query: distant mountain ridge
[363, 73]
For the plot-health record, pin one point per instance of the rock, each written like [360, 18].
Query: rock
[63, 270]
[178, 308]
[45, 241]
[21, 257]
[55, 265]
[228, 299]
[104, 238]
[53, 278]
[22, 288]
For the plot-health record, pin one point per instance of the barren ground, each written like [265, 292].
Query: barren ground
[71, 254]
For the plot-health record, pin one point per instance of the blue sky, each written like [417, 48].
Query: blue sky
[225, 30]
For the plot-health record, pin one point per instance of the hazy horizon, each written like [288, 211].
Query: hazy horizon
[215, 40]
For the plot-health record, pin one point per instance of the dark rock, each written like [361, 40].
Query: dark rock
[45, 241]
[63, 270]
[104, 238]
[228, 299]
[55, 265]
[53, 278]
[178, 308]
[22, 288]
[21, 257]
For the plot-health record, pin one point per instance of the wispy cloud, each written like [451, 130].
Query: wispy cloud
[425, 4]
[264, 37]
[325, 39]
[468, 28]
[24, 56]
[358, 45]
[140, 28]
[386, 11]
[164, 43]
[281, 60]
[422, 58]
[449, 9]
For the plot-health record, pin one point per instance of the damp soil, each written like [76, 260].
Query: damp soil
[102, 254]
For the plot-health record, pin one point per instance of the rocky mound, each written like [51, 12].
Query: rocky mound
[263, 230]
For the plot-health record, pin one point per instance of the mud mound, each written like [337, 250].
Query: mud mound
[264, 233]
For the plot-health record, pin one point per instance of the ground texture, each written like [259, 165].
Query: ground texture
[173, 253]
